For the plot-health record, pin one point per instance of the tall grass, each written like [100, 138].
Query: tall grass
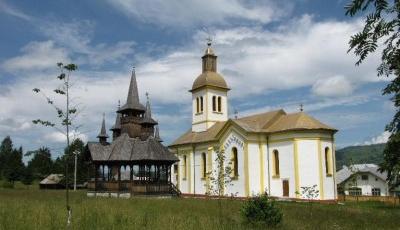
[35, 209]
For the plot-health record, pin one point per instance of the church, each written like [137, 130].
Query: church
[275, 152]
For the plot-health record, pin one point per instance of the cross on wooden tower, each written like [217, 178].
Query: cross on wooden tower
[209, 41]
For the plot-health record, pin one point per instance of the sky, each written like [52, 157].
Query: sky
[273, 54]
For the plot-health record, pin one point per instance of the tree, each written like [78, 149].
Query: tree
[41, 165]
[66, 117]
[6, 149]
[382, 28]
[27, 176]
[14, 166]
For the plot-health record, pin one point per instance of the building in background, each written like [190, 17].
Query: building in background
[273, 152]
[364, 180]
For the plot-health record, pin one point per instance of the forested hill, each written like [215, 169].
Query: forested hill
[359, 155]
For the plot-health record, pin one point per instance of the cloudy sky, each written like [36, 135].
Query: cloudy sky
[273, 54]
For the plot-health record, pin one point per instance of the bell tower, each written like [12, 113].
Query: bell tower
[209, 94]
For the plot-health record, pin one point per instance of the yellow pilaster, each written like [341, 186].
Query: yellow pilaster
[261, 151]
[321, 175]
[246, 170]
[296, 168]
[209, 167]
[189, 171]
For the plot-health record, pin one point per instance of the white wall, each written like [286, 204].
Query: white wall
[367, 185]
[286, 168]
[329, 183]
[308, 164]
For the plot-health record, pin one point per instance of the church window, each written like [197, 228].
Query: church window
[234, 162]
[203, 166]
[275, 155]
[376, 191]
[328, 162]
[197, 105]
[214, 103]
[219, 104]
[201, 104]
[184, 167]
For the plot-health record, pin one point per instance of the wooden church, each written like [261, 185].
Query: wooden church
[135, 161]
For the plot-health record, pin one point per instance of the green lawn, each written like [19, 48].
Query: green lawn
[35, 209]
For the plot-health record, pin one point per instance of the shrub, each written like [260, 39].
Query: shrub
[261, 210]
[7, 184]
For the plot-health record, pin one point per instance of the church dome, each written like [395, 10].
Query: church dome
[209, 78]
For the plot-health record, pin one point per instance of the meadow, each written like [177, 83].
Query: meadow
[35, 209]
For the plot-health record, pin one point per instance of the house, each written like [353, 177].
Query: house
[273, 152]
[53, 181]
[363, 180]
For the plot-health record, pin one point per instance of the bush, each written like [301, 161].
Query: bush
[7, 184]
[261, 210]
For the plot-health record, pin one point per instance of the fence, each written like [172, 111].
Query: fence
[386, 199]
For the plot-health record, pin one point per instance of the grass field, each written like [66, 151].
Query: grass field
[35, 209]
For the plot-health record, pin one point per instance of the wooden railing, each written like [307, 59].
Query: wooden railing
[135, 187]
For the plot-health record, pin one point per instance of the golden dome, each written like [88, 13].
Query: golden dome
[209, 78]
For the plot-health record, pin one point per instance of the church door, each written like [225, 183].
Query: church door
[285, 187]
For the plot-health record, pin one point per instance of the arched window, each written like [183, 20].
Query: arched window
[214, 103]
[275, 155]
[203, 165]
[234, 162]
[184, 167]
[328, 161]
[219, 104]
[201, 104]
[197, 105]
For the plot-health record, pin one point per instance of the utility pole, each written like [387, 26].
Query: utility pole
[76, 152]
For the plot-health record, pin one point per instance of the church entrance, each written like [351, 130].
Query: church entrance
[285, 187]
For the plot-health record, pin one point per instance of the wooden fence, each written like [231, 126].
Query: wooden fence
[386, 199]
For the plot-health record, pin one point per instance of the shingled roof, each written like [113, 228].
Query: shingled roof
[125, 148]
[346, 172]
[132, 101]
[268, 122]
[103, 133]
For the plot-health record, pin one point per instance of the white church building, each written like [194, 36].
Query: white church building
[273, 152]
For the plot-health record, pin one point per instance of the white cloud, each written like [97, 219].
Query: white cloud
[332, 86]
[176, 13]
[76, 36]
[381, 138]
[8, 9]
[61, 138]
[36, 56]
[14, 125]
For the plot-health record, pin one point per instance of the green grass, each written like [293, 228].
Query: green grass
[35, 209]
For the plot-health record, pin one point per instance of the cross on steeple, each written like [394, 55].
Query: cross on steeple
[209, 41]
[236, 114]
[301, 107]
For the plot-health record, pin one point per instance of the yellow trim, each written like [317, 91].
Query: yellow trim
[206, 108]
[199, 122]
[321, 174]
[246, 170]
[296, 168]
[260, 147]
[299, 139]
[209, 167]
[178, 183]
[189, 173]
[274, 174]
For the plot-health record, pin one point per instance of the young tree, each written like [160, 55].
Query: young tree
[66, 116]
[382, 29]
[220, 177]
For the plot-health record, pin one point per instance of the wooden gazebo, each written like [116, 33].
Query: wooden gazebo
[135, 162]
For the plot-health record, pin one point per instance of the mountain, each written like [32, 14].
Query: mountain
[359, 155]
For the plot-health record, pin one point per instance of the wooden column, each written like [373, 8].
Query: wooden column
[119, 177]
[96, 167]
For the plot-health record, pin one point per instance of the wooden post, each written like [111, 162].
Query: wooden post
[95, 177]
[119, 177]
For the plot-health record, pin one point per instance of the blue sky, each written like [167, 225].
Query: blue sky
[273, 54]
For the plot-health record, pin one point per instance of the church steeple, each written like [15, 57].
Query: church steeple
[157, 135]
[209, 59]
[103, 134]
[147, 115]
[132, 101]
[116, 128]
